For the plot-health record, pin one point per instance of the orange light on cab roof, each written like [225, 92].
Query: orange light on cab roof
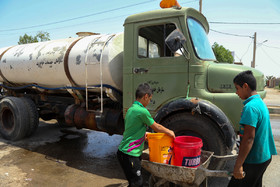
[169, 3]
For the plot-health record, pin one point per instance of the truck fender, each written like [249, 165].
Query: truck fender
[203, 108]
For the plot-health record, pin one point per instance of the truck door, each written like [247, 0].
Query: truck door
[154, 63]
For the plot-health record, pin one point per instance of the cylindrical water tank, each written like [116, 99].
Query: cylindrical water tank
[61, 63]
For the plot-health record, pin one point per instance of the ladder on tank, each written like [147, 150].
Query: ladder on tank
[98, 43]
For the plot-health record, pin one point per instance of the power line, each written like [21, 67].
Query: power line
[84, 23]
[238, 35]
[271, 46]
[128, 6]
[67, 26]
[237, 56]
[240, 59]
[80, 17]
[270, 57]
[243, 23]
[247, 50]
[249, 45]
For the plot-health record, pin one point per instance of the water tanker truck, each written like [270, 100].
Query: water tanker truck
[90, 81]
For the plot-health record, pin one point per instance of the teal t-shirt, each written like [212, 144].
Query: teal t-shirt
[256, 114]
[136, 121]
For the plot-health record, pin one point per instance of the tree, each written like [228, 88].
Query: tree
[44, 36]
[40, 37]
[269, 77]
[222, 54]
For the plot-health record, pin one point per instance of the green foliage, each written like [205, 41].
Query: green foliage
[27, 39]
[44, 36]
[222, 54]
[40, 37]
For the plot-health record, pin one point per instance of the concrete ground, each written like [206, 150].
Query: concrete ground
[61, 157]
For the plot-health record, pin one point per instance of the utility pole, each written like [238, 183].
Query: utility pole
[200, 6]
[253, 63]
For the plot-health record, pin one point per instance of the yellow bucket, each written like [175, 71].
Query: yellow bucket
[160, 147]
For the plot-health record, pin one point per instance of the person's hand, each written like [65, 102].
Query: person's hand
[146, 135]
[171, 133]
[238, 172]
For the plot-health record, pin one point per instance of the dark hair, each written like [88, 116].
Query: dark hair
[142, 90]
[246, 77]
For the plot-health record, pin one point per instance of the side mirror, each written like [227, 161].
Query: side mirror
[175, 40]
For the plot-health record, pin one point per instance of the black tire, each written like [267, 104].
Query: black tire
[202, 127]
[33, 116]
[13, 118]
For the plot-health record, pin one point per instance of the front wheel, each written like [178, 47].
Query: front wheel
[200, 126]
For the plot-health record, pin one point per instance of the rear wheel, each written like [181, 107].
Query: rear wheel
[33, 116]
[13, 118]
[202, 127]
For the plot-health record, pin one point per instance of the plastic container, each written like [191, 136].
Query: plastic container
[187, 151]
[160, 147]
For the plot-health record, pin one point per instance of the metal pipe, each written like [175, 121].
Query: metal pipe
[110, 121]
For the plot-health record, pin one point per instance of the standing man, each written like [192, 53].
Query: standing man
[257, 144]
[137, 120]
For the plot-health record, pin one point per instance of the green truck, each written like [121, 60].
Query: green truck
[90, 81]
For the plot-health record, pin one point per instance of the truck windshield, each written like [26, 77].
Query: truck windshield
[200, 41]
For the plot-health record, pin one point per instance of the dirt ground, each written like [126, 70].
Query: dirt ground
[272, 97]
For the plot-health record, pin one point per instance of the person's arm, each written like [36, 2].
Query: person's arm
[244, 149]
[159, 128]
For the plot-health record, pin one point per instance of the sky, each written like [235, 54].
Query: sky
[64, 18]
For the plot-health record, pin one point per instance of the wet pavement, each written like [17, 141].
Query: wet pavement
[61, 157]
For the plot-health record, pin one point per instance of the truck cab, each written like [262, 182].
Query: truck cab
[192, 93]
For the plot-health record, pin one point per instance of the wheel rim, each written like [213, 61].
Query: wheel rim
[7, 119]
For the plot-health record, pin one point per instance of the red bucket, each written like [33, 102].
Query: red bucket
[187, 151]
